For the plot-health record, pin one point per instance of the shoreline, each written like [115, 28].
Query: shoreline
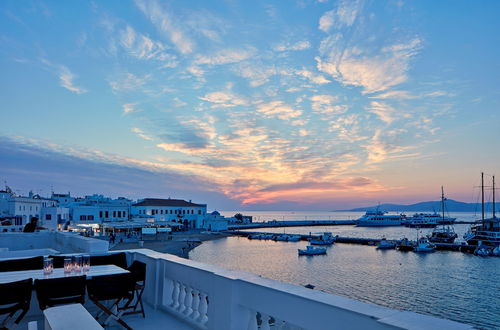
[179, 244]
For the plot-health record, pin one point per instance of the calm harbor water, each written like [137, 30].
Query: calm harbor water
[450, 285]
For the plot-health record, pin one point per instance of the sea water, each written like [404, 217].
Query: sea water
[451, 285]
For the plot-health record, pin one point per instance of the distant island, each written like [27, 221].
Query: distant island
[431, 206]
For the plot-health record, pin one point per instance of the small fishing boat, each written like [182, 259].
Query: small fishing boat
[294, 238]
[311, 251]
[482, 251]
[405, 245]
[325, 239]
[386, 245]
[424, 246]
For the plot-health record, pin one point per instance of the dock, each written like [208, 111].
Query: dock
[458, 247]
[293, 223]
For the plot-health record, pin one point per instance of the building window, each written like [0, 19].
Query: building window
[170, 211]
[100, 214]
[48, 217]
[114, 214]
[199, 211]
[83, 217]
[106, 214]
[161, 211]
[90, 217]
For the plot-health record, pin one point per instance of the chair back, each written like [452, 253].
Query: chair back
[18, 292]
[59, 260]
[118, 259]
[57, 291]
[14, 265]
[109, 287]
[138, 269]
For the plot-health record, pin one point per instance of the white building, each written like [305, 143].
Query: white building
[215, 222]
[63, 199]
[96, 209]
[20, 209]
[171, 210]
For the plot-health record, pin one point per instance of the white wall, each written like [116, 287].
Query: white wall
[62, 242]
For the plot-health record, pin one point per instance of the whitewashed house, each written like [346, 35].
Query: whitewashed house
[94, 210]
[171, 210]
[20, 209]
[215, 222]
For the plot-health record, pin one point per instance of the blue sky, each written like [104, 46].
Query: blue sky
[251, 104]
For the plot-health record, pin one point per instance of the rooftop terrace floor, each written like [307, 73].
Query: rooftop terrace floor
[154, 319]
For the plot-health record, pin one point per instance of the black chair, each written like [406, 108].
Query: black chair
[15, 296]
[117, 288]
[138, 271]
[59, 291]
[118, 259]
[14, 265]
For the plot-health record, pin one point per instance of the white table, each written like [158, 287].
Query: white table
[6, 277]
[74, 317]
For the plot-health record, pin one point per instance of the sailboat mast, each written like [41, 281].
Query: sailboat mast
[482, 197]
[442, 202]
[493, 197]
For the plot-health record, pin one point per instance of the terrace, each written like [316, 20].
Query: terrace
[184, 294]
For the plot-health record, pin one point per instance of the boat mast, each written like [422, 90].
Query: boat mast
[442, 202]
[482, 197]
[494, 197]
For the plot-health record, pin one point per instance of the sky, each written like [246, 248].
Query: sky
[251, 105]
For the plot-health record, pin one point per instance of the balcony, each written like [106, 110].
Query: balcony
[200, 296]
[184, 294]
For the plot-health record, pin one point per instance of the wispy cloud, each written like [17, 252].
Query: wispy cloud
[66, 77]
[384, 111]
[225, 56]
[67, 80]
[128, 82]
[141, 134]
[144, 48]
[314, 78]
[344, 15]
[166, 22]
[374, 73]
[223, 99]
[299, 45]
[129, 107]
[278, 109]
[327, 104]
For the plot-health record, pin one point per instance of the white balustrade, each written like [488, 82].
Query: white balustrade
[211, 298]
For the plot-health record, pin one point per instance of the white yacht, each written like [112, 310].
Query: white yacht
[379, 218]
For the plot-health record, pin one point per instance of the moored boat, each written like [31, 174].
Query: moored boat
[442, 234]
[311, 251]
[424, 246]
[485, 231]
[405, 245]
[379, 218]
[325, 239]
[386, 245]
[422, 220]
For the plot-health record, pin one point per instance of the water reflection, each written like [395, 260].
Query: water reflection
[451, 285]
